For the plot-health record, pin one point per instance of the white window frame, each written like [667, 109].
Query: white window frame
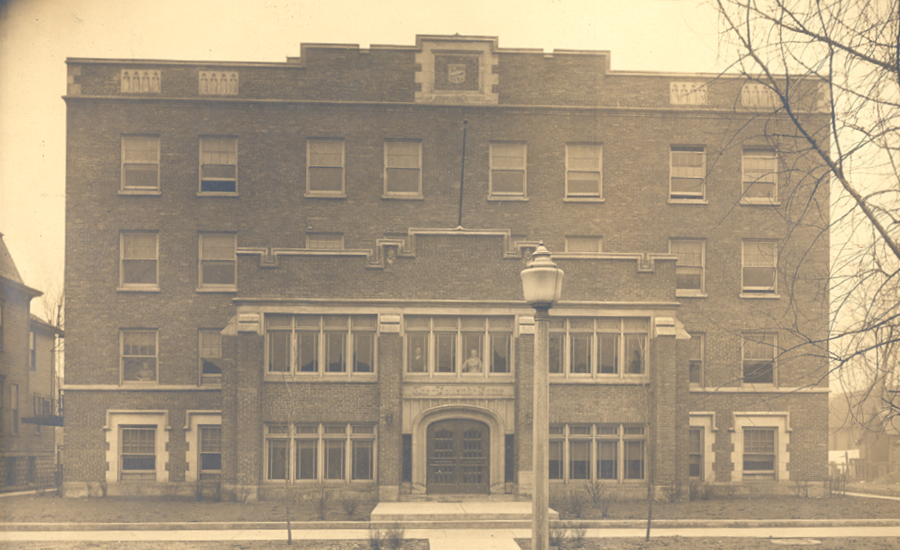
[204, 352]
[506, 195]
[387, 167]
[706, 421]
[157, 419]
[758, 154]
[503, 326]
[319, 327]
[207, 142]
[761, 338]
[563, 330]
[210, 287]
[701, 360]
[759, 290]
[688, 292]
[322, 433]
[576, 196]
[124, 285]
[309, 165]
[127, 160]
[122, 356]
[595, 435]
[780, 422]
[701, 174]
[576, 239]
[194, 419]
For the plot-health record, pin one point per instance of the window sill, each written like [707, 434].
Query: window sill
[207, 289]
[138, 289]
[138, 384]
[584, 199]
[611, 380]
[397, 197]
[363, 378]
[141, 192]
[687, 201]
[760, 203]
[689, 294]
[464, 378]
[760, 296]
[505, 198]
[218, 194]
[325, 195]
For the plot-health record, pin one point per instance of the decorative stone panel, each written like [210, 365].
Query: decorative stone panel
[457, 72]
[142, 81]
[758, 96]
[218, 82]
[687, 93]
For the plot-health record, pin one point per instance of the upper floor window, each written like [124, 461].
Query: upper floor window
[458, 346]
[140, 163]
[403, 169]
[218, 165]
[325, 168]
[758, 357]
[584, 171]
[584, 245]
[696, 360]
[687, 174]
[218, 261]
[584, 347]
[144, 81]
[508, 178]
[689, 269]
[210, 344]
[760, 177]
[138, 265]
[320, 344]
[759, 262]
[138, 355]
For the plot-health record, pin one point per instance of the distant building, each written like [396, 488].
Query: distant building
[28, 386]
[864, 434]
[273, 275]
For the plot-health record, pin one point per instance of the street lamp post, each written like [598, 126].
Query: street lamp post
[542, 283]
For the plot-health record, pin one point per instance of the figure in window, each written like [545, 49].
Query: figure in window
[473, 363]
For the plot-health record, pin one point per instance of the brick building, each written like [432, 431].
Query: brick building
[28, 386]
[272, 273]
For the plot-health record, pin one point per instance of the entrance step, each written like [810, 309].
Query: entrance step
[425, 497]
[461, 513]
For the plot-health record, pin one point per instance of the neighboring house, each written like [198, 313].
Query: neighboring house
[28, 385]
[273, 275]
[864, 433]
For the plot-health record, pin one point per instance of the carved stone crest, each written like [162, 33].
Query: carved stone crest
[456, 73]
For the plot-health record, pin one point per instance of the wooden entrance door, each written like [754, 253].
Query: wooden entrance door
[458, 457]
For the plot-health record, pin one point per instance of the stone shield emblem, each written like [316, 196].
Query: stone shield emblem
[456, 73]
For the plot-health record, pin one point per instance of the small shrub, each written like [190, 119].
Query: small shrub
[673, 491]
[103, 488]
[578, 533]
[376, 538]
[320, 502]
[597, 492]
[394, 537]
[562, 502]
[559, 537]
[349, 503]
[198, 490]
[706, 491]
[836, 485]
[578, 504]
[801, 489]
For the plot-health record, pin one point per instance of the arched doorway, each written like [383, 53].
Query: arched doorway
[458, 456]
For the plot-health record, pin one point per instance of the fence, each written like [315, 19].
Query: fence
[29, 472]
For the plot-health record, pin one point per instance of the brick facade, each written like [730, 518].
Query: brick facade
[402, 260]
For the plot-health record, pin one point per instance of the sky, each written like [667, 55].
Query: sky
[37, 36]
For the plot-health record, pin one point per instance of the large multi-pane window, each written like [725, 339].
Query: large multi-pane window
[140, 163]
[587, 347]
[403, 169]
[210, 345]
[137, 453]
[695, 453]
[687, 174]
[759, 260]
[218, 261]
[320, 452]
[508, 177]
[597, 452]
[584, 172]
[325, 167]
[458, 346]
[320, 344]
[218, 165]
[138, 355]
[689, 269]
[760, 176]
[758, 357]
[138, 265]
[759, 453]
[210, 459]
[696, 360]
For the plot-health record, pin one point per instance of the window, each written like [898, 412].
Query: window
[320, 452]
[218, 261]
[324, 241]
[138, 267]
[584, 171]
[321, 344]
[138, 355]
[760, 177]
[600, 452]
[210, 449]
[508, 162]
[759, 453]
[210, 345]
[403, 169]
[687, 175]
[140, 163]
[468, 346]
[759, 260]
[32, 350]
[218, 165]
[325, 168]
[138, 453]
[584, 245]
[14, 398]
[758, 353]
[587, 348]
[695, 454]
[696, 360]
[689, 269]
